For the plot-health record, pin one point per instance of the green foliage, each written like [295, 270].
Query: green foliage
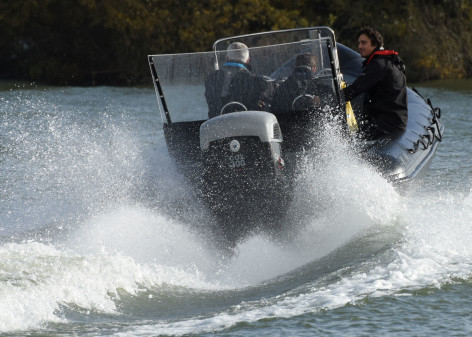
[444, 37]
[84, 42]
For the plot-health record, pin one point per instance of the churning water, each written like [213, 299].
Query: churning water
[100, 236]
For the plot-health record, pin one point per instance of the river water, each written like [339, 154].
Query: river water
[100, 236]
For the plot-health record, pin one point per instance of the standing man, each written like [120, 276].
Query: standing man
[384, 83]
[235, 82]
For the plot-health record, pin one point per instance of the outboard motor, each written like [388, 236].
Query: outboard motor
[242, 162]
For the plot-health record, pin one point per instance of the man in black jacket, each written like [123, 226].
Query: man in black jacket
[384, 84]
[302, 90]
[235, 82]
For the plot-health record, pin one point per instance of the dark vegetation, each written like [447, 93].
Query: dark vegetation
[105, 42]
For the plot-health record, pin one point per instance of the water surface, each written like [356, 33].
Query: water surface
[100, 236]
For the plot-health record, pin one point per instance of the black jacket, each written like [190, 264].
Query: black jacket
[302, 81]
[235, 83]
[385, 100]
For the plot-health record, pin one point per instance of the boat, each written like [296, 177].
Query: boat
[241, 162]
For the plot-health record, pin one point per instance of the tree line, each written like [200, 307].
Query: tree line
[105, 42]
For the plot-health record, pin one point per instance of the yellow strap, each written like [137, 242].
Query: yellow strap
[350, 117]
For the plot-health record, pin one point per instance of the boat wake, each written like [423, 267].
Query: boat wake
[139, 250]
[121, 251]
[135, 262]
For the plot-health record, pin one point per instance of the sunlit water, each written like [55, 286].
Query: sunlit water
[100, 236]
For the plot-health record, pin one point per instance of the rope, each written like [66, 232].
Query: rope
[432, 134]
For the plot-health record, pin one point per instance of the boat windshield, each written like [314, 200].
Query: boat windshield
[180, 78]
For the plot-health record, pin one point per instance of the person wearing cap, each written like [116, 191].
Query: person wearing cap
[383, 83]
[301, 90]
[235, 82]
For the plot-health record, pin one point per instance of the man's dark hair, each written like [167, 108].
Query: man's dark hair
[374, 36]
[305, 59]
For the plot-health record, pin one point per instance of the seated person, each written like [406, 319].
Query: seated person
[300, 90]
[235, 82]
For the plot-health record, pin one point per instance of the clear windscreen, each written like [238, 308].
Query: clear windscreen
[182, 76]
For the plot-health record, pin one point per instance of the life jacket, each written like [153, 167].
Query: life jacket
[397, 61]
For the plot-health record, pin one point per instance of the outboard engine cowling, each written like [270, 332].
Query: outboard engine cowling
[242, 162]
[244, 144]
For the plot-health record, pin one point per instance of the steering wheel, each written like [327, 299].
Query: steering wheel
[305, 102]
[232, 107]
